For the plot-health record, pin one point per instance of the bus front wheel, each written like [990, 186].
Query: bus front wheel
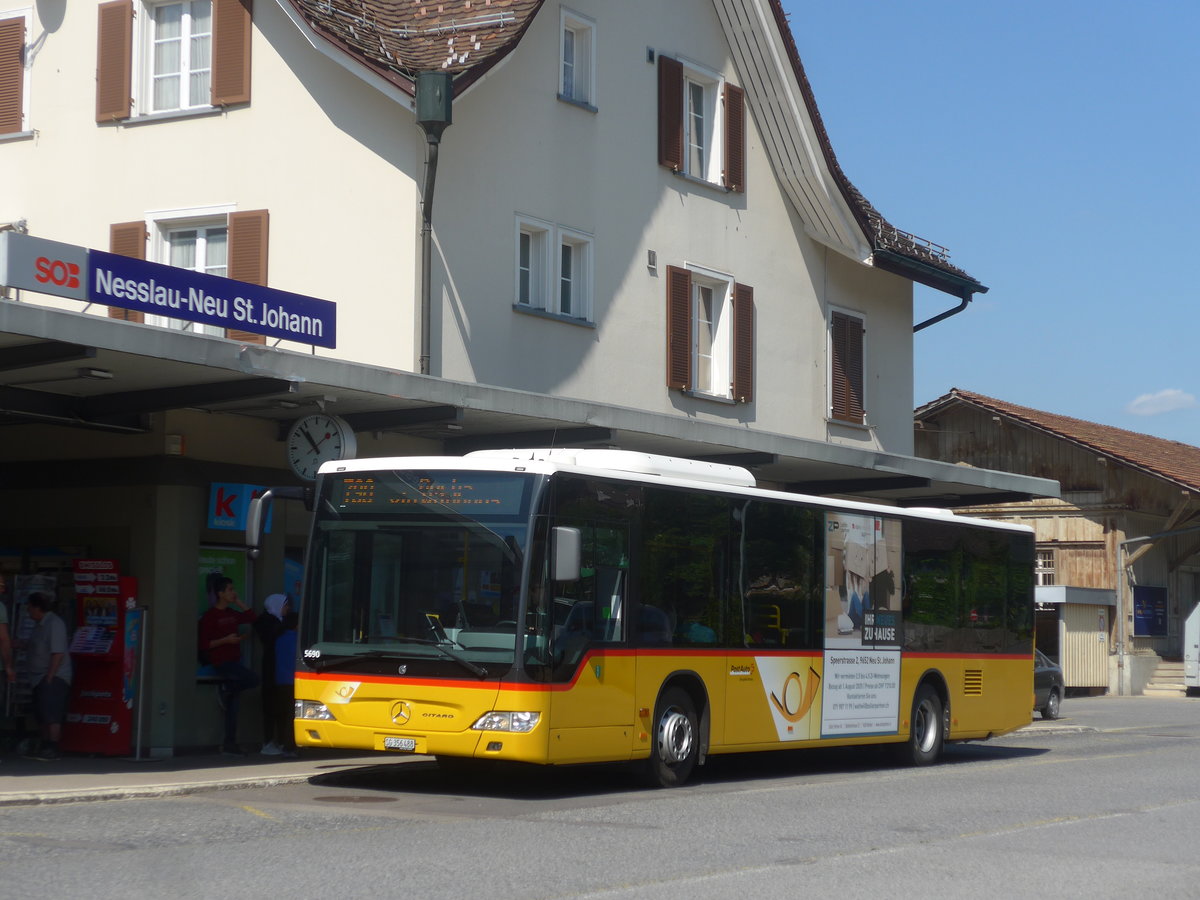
[927, 729]
[675, 744]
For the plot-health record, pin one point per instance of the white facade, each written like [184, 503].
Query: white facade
[338, 164]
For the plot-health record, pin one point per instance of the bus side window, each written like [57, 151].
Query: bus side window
[602, 583]
[780, 568]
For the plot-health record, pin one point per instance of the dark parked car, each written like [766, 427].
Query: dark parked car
[1048, 685]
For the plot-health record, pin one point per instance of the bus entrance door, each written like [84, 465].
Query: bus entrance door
[591, 707]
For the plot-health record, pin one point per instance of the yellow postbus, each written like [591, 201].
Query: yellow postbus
[578, 606]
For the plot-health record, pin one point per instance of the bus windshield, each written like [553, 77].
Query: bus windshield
[421, 567]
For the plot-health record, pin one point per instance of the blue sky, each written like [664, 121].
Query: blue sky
[1054, 147]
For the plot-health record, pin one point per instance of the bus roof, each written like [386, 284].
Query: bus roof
[641, 467]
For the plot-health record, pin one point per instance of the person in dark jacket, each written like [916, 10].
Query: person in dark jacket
[285, 682]
[269, 626]
[220, 642]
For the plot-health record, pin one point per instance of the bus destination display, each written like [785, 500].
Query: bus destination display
[474, 493]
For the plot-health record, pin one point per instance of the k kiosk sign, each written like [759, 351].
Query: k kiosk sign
[64, 270]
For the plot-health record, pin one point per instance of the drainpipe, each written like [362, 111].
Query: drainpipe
[966, 298]
[435, 92]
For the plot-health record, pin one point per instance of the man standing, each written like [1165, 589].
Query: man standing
[49, 673]
[221, 641]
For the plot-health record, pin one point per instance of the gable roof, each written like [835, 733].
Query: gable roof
[894, 250]
[1169, 460]
[397, 39]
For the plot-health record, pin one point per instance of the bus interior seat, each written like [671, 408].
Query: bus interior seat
[765, 624]
[654, 626]
[581, 618]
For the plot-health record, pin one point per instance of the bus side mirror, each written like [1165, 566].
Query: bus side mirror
[566, 546]
[256, 515]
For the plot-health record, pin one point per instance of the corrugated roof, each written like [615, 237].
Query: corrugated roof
[397, 39]
[1171, 460]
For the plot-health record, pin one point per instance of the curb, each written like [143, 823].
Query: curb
[1049, 729]
[147, 791]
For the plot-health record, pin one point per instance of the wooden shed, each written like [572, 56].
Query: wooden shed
[1118, 553]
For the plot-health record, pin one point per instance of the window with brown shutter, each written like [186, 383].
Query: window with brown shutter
[231, 52]
[743, 343]
[229, 78]
[127, 239]
[846, 342]
[735, 138]
[248, 232]
[687, 143]
[114, 61]
[670, 113]
[12, 74]
[679, 328]
[703, 357]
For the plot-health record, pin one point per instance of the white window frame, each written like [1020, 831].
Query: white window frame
[579, 248]
[866, 356]
[161, 224]
[25, 13]
[533, 293]
[577, 49]
[720, 370]
[144, 57]
[538, 279]
[711, 86]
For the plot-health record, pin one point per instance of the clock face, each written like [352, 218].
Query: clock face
[316, 439]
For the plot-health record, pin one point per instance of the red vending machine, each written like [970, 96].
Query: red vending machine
[104, 655]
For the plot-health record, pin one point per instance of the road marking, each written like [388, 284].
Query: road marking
[258, 812]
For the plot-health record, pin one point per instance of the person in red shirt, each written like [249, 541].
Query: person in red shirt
[221, 637]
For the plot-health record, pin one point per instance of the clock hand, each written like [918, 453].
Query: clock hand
[311, 442]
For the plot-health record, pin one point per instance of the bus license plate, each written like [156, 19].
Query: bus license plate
[399, 743]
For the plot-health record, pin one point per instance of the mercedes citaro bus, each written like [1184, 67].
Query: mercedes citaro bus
[579, 606]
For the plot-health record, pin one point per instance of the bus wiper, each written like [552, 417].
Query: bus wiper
[329, 662]
[479, 671]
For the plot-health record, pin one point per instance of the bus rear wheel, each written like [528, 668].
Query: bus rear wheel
[927, 729]
[675, 746]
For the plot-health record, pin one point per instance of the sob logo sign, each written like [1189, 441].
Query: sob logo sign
[47, 267]
[57, 272]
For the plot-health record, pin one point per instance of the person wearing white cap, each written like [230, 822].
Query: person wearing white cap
[268, 626]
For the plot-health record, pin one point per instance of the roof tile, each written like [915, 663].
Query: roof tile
[404, 37]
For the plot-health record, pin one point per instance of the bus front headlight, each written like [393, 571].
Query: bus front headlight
[311, 709]
[517, 722]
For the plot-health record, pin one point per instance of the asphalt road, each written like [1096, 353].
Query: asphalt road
[1105, 803]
